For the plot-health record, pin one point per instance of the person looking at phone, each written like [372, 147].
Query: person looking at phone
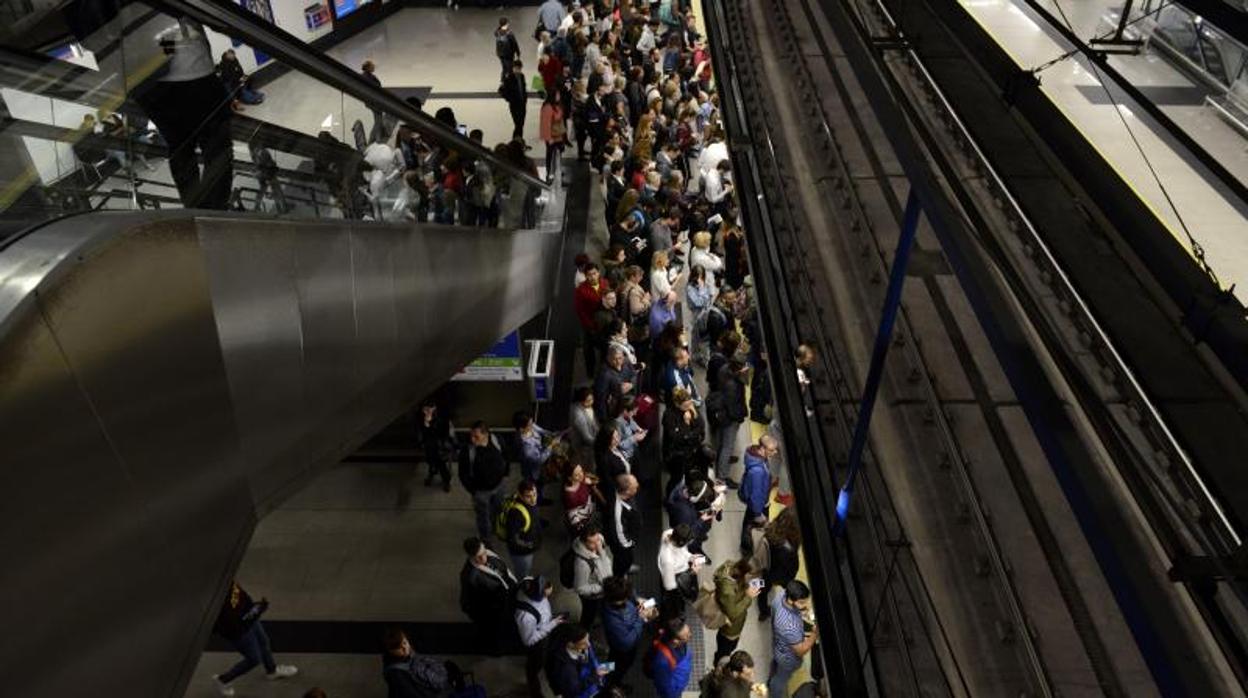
[535, 621]
[737, 584]
[790, 639]
[670, 660]
[572, 668]
[624, 616]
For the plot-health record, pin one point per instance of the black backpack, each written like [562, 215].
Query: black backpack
[502, 45]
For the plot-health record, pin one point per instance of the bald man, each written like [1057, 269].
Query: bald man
[623, 525]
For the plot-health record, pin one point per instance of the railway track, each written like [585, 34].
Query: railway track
[973, 575]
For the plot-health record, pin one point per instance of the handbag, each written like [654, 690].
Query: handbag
[707, 608]
[687, 585]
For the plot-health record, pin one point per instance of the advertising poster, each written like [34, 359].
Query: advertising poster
[342, 8]
[501, 363]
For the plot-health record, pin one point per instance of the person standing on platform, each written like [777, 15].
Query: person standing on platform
[515, 91]
[583, 421]
[535, 621]
[505, 46]
[671, 662]
[486, 590]
[624, 618]
[482, 470]
[591, 565]
[585, 301]
[792, 636]
[755, 489]
[437, 440]
[735, 591]
[623, 526]
[520, 527]
[728, 416]
[535, 448]
[572, 668]
[550, 15]
[239, 623]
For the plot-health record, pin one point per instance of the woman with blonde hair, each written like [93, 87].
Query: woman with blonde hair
[660, 282]
[701, 256]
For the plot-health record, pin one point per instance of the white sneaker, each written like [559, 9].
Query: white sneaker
[282, 671]
[224, 689]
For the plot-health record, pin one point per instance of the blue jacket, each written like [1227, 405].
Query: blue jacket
[756, 483]
[622, 626]
[670, 681]
[532, 453]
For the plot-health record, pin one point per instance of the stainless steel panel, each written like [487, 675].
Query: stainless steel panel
[327, 316]
[376, 330]
[165, 378]
[256, 306]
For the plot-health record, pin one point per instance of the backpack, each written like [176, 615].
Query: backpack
[707, 608]
[502, 45]
[716, 408]
[430, 674]
[567, 569]
[500, 522]
[529, 609]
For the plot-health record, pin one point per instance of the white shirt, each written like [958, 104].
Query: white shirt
[660, 285]
[714, 190]
[712, 155]
[534, 630]
[672, 561]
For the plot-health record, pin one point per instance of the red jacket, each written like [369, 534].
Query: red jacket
[586, 300]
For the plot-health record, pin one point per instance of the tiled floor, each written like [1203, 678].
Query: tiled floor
[450, 52]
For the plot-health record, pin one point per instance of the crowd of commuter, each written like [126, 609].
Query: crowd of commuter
[675, 367]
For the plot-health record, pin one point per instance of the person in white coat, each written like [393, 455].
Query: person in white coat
[701, 256]
[675, 559]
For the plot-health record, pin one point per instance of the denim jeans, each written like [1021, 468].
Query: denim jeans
[521, 565]
[254, 646]
[486, 504]
[778, 680]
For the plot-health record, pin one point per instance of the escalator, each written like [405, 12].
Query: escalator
[168, 375]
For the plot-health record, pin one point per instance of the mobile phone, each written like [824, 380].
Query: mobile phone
[647, 604]
[609, 666]
[757, 583]
[462, 129]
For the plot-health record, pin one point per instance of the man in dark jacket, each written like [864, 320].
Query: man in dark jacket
[731, 382]
[239, 623]
[686, 506]
[505, 46]
[614, 381]
[623, 620]
[482, 470]
[623, 526]
[523, 528]
[756, 489]
[572, 669]
[515, 91]
[486, 588]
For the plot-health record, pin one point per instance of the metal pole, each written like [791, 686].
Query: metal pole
[888, 318]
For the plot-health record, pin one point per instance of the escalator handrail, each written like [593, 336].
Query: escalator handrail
[232, 19]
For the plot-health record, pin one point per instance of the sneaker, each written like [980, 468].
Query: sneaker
[282, 671]
[224, 689]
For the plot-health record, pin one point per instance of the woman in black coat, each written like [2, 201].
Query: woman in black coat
[684, 433]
